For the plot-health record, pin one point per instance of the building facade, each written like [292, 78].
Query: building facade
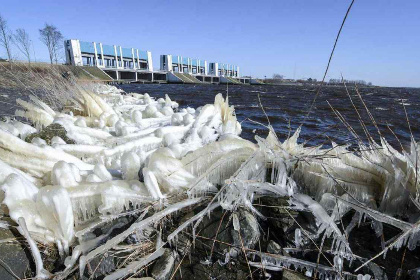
[192, 66]
[121, 63]
[179, 64]
[81, 53]
[223, 69]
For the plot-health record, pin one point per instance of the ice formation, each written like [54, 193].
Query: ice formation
[131, 152]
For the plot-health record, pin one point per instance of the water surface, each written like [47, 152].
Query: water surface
[287, 107]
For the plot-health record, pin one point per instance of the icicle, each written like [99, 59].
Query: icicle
[198, 217]
[135, 266]
[152, 184]
[41, 273]
[136, 226]
[326, 223]
[273, 262]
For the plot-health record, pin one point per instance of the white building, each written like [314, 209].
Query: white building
[225, 70]
[179, 64]
[136, 65]
[112, 59]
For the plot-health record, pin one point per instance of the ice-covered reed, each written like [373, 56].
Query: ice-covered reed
[130, 153]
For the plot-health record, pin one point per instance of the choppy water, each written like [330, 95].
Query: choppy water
[287, 106]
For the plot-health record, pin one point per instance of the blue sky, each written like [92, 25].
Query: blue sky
[379, 43]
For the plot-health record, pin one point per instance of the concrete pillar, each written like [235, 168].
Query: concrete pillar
[79, 53]
[150, 61]
[206, 70]
[102, 54]
[189, 66]
[134, 61]
[166, 62]
[172, 60]
[162, 62]
[74, 56]
[138, 59]
[169, 61]
[96, 54]
[122, 60]
[67, 52]
[197, 63]
[116, 57]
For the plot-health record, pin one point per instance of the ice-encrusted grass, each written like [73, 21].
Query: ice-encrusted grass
[133, 153]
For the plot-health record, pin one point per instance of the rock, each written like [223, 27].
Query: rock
[215, 226]
[183, 244]
[132, 239]
[274, 248]
[380, 274]
[400, 274]
[143, 278]
[248, 229]
[100, 266]
[414, 273]
[210, 227]
[163, 268]
[15, 259]
[49, 132]
[282, 219]
[291, 275]
[230, 271]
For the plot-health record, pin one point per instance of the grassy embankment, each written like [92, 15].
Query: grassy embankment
[57, 85]
[11, 73]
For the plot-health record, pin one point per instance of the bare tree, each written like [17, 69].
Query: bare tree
[6, 37]
[52, 38]
[278, 77]
[23, 43]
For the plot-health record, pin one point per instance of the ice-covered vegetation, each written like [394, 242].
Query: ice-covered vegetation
[133, 156]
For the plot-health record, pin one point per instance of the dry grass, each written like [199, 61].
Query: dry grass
[56, 85]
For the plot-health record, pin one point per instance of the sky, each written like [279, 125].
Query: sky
[379, 42]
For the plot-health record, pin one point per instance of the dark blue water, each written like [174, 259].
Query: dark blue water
[286, 107]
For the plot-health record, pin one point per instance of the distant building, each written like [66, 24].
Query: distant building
[121, 63]
[80, 53]
[192, 66]
[179, 64]
[222, 69]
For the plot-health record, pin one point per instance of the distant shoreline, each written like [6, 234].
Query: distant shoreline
[87, 74]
